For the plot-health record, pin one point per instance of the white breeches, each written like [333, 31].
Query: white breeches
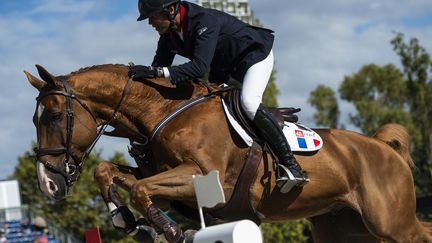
[254, 84]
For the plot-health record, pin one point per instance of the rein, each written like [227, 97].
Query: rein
[188, 104]
[69, 173]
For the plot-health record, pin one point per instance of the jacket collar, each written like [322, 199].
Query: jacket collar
[183, 19]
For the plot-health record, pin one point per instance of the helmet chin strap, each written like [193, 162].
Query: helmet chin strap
[172, 17]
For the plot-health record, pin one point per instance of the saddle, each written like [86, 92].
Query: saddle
[232, 100]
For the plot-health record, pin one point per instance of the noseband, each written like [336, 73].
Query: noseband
[69, 173]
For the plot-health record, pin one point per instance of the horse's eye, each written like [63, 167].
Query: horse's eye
[56, 116]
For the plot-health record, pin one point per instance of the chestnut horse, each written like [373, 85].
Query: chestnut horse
[368, 179]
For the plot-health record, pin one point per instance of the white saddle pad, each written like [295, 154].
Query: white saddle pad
[299, 137]
[302, 138]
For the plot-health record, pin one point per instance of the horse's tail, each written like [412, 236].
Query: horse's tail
[398, 138]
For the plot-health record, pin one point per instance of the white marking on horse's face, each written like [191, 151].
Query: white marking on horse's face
[46, 185]
[40, 110]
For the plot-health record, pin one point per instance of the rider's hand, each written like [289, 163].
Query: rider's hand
[141, 71]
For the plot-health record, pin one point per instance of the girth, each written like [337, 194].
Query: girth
[239, 206]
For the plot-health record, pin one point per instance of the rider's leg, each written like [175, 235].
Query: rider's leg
[271, 132]
[254, 84]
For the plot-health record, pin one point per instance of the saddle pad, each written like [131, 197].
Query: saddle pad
[237, 127]
[299, 137]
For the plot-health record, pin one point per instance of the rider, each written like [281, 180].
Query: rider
[216, 41]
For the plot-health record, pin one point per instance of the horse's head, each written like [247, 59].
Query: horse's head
[65, 127]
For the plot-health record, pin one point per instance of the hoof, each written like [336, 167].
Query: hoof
[143, 233]
[173, 234]
[189, 236]
[171, 231]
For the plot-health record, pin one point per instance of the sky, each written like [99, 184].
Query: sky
[317, 42]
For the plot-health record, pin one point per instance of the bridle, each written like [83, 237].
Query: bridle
[70, 172]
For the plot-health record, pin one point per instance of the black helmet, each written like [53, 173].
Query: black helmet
[147, 8]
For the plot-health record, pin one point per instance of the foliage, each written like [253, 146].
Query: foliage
[384, 94]
[83, 208]
[324, 100]
[271, 93]
[288, 231]
[379, 96]
[417, 65]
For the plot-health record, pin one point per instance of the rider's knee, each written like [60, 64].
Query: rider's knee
[250, 105]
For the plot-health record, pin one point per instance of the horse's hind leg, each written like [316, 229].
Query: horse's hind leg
[342, 226]
[387, 206]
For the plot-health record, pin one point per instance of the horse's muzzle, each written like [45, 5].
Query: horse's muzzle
[51, 184]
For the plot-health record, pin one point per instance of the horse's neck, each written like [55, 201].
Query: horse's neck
[143, 107]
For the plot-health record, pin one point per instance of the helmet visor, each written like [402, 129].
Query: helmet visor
[148, 8]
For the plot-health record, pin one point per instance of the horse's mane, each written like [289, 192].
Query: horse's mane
[119, 71]
[99, 67]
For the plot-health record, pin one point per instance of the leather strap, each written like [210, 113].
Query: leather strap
[239, 205]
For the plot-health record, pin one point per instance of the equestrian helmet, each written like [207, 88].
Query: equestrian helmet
[148, 8]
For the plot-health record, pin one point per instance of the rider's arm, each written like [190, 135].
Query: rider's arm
[164, 57]
[205, 34]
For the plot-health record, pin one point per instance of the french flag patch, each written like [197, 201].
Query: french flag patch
[300, 139]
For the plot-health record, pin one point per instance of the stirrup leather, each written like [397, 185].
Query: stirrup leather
[286, 180]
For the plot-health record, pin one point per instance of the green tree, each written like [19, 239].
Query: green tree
[379, 96]
[324, 100]
[83, 208]
[289, 231]
[417, 65]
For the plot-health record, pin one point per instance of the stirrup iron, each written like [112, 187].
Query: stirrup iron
[286, 180]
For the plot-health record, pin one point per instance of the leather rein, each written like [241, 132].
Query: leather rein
[70, 172]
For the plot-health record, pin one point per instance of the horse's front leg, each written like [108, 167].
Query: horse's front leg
[107, 174]
[174, 184]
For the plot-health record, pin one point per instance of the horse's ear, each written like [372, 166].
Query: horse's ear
[46, 76]
[35, 82]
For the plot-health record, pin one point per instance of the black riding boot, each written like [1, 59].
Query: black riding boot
[289, 173]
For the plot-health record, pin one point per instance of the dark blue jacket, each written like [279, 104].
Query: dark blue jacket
[215, 41]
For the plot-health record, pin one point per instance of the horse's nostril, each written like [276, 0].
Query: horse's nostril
[52, 186]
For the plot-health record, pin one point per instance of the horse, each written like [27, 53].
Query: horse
[367, 178]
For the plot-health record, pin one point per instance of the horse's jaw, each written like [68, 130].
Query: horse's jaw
[51, 184]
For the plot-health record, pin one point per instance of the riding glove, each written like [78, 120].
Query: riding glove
[141, 71]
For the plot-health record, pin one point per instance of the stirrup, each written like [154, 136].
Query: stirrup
[287, 181]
